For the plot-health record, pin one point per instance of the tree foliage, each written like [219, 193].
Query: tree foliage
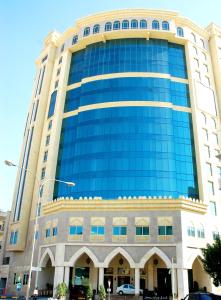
[212, 261]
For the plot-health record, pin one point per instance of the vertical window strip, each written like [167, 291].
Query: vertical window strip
[42, 78]
[39, 76]
[36, 110]
[33, 107]
[26, 124]
[23, 178]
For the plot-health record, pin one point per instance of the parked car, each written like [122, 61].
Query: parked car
[127, 289]
[202, 296]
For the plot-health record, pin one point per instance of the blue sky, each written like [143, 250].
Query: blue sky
[23, 26]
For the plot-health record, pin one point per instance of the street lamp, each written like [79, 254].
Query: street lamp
[40, 187]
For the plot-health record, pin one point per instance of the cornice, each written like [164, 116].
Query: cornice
[65, 205]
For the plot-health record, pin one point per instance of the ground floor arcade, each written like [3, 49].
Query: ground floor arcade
[154, 271]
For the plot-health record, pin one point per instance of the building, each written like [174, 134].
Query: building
[4, 260]
[126, 104]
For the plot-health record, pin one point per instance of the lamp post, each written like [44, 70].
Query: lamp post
[40, 187]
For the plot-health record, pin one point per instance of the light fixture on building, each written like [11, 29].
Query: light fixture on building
[121, 261]
[155, 261]
[88, 260]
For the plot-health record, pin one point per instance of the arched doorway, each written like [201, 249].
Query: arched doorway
[45, 278]
[198, 278]
[119, 269]
[156, 276]
[155, 272]
[82, 274]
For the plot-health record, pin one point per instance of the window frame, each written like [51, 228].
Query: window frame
[142, 230]
[116, 25]
[75, 39]
[155, 25]
[132, 22]
[180, 32]
[86, 31]
[165, 25]
[76, 230]
[143, 21]
[125, 22]
[119, 230]
[96, 232]
[108, 26]
[96, 29]
[167, 230]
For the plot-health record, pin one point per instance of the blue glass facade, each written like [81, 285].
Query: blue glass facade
[128, 151]
[128, 89]
[128, 55]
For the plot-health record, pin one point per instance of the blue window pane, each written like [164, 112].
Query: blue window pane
[143, 24]
[155, 25]
[55, 231]
[75, 40]
[169, 230]
[36, 235]
[79, 230]
[139, 231]
[180, 31]
[161, 230]
[125, 24]
[86, 31]
[52, 104]
[116, 230]
[116, 25]
[47, 232]
[96, 29]
[75, 230]
[165, 25]
[108, 26]
[100, 230]
[134, 24]
[145, 230]
[93, 230]
[123, 230]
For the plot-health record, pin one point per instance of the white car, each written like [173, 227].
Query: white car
[127, 289]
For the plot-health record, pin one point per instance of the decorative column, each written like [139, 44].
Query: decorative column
[58, 278]
[137, 281]
[183, 284]
[66, 275]
[101, 276]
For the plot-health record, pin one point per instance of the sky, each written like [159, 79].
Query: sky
[23, 26]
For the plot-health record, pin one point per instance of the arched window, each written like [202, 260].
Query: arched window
[180, 31]
[125, 24]
[213, 123]
[201, 232]
[155, 25]
[86, 31]
[108, 26]
[143, 24]
[134, 24]
[193, 37]
[96, 29]
[165, 25]
[202, 43]
[116, 25]
[191, 230]
[75, 39]
[203, 118]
